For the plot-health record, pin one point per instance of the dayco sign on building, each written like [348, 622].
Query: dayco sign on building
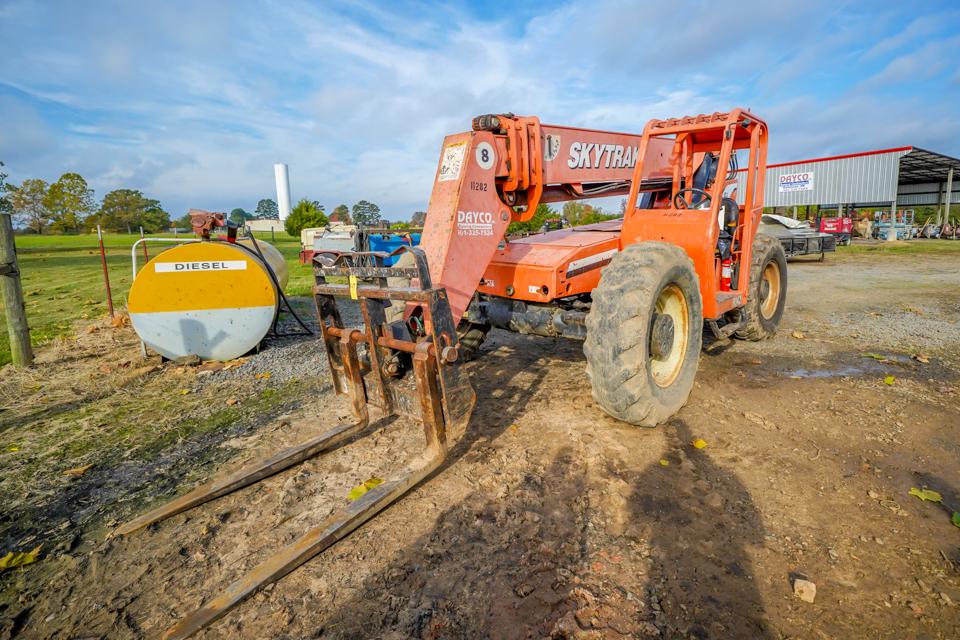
[795, 181]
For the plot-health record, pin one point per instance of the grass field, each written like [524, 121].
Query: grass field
[903, 247]
[63, 280]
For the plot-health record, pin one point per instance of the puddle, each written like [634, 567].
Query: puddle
[843, 372]
[868, 364]
[889, 358]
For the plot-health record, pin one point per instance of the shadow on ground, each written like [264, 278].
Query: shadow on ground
[699, 520]
[529, 553]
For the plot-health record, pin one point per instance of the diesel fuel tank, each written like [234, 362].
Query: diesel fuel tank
[213, 298]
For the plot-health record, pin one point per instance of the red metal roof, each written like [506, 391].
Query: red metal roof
[841, 157]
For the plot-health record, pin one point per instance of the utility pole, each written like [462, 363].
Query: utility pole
[13, 304]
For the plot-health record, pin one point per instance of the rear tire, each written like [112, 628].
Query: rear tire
[640, 371]
[767, 294]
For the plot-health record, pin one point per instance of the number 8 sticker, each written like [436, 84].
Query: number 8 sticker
[485, 155]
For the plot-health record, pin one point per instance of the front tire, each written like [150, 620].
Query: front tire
[644, 333]
[471, 335]
[767, 294]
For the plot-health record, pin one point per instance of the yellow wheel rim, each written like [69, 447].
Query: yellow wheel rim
[671, 302]
[770, 290]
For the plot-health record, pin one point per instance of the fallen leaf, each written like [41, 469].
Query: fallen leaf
[876, 356]
[19, 559]
[230, 364]
[955, 518]
[361, 489]
[14, 448]
[889, 380]
[104, 368]
[921, 358]
[184, 392]
[798, 335]
[211, 366]
[76, 472]
[699, 443]
[927, 495]
[232, 401]
[263, 376]
[755, 418]
[91, 328]
[664, 462]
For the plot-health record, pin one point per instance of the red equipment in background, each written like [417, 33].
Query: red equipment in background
[840, 227]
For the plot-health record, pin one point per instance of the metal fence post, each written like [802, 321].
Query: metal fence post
[106, 275]
[146, 256]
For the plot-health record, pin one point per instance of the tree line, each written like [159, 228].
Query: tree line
[68, 206]
[310, 213]
[572, 214]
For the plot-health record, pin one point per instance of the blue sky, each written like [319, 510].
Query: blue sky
[193, 102]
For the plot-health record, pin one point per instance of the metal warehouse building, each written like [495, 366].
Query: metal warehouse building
[895, 178]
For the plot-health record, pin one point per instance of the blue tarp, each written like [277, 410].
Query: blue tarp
[388, 242]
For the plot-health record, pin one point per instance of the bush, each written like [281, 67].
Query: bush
[306, 214]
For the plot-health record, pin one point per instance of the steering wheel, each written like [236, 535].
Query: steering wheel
[680, 202]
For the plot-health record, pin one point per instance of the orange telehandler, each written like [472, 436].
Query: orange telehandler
[637, 291]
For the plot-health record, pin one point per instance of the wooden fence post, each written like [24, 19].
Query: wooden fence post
[13, 304]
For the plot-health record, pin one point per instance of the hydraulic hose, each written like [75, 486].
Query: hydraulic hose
[273, 277]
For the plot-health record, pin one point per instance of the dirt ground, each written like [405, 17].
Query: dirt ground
[550, 519]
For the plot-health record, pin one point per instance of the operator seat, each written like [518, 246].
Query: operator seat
[704, 176]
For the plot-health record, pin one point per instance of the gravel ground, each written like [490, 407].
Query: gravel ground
[291, 357]
[894, 329]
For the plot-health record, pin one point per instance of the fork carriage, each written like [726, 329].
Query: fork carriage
[425, 341]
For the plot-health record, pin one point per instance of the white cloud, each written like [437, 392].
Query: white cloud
[931, 60]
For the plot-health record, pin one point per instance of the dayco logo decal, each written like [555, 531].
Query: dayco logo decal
[590, 155]
[474, 223]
